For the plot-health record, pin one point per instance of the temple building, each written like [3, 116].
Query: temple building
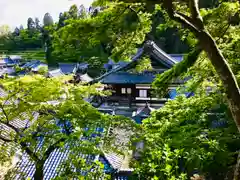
[134, 89]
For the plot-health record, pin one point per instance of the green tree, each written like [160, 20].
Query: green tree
[82, 13]
[62, 18]
[56, 117]
[21, 27]
[37, 24]
[30, 24]
[73, 12]
[4, 30]
[191, 135]
[47, 20]
[47, 38]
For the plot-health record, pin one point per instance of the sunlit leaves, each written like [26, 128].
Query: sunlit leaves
[143, 65]
[116, 31]
[179, 139]
[62, 116]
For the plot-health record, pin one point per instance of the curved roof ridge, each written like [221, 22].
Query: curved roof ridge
[163, 55]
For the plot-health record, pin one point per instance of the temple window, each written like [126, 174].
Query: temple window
[142, 93]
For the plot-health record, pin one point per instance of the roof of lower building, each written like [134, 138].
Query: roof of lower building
[36, 67]
[55, 73]
[144, 111]
[85, 78]
[69, 68]
[31, 64]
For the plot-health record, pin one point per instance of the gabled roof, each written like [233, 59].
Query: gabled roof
[149, 48]
[144, 111]
[158, 54]
[79, 67]
[69, 68]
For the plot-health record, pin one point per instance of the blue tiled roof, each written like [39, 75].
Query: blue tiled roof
[128, 78]
[159, 56]
[177, 57]
[112, 65]
[55, 73]
[67, 68]
[9, 61]
[15, 57]
[31, 64]
[27, 168]
[173, 94]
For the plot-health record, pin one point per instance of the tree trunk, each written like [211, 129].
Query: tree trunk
[237, 169]
[38, 175]
[229, 82]
[225, 73]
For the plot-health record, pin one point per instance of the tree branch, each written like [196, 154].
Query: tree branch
[162, 81]
[185, 20]
[29, 151]
[193, 5]
[4, 112]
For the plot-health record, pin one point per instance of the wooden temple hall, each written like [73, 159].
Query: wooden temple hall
[133, 89]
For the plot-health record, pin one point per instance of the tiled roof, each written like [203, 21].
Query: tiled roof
[67, 68]
[144, 111]
[7, 70]
[112, 65]
[31, 64]
[159, 54]
[128, 78]
[114, 159]
[177, 57]
[124, 67]
[55, 73]
[85, 78]
[15, 57]
[150, 48]
[26, 168]
[8, 61]
[36, 67]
